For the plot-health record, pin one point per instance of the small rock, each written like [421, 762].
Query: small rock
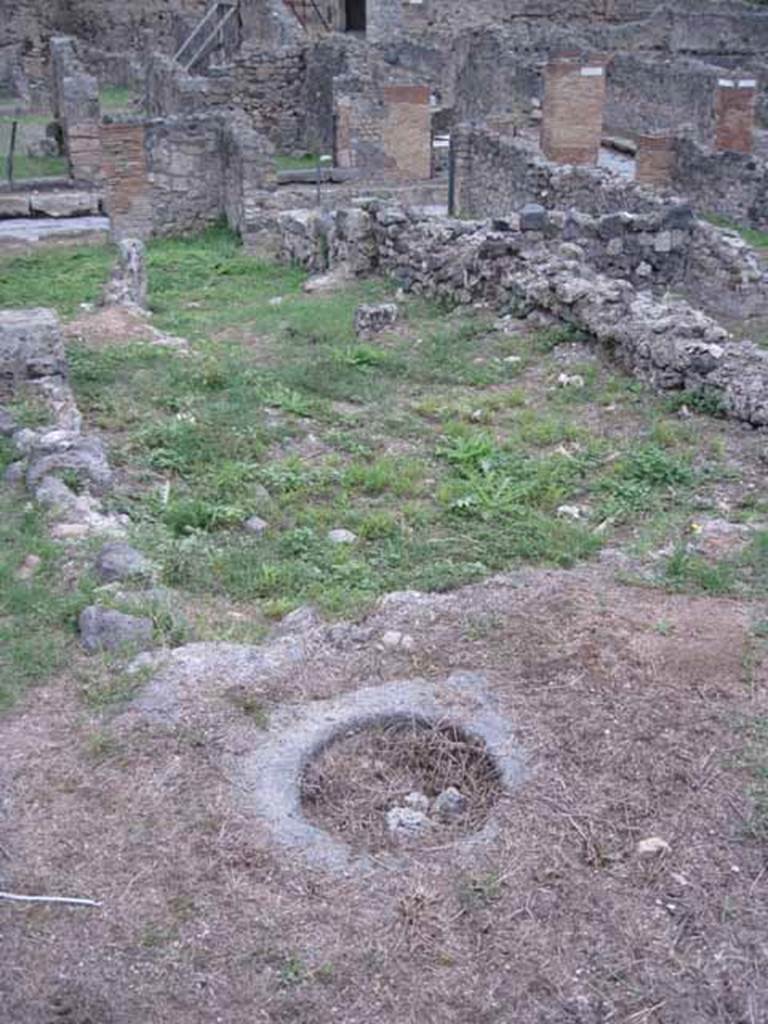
[654, 846]
[717, 538]
[24, 440]
[342, 537]
[104, 629]
[417, 802]
[256, 525]
[570, 380]
[371, 319]
[393, 639]
[70, 531]
[260, 495]
[14, 474]
[53, 494]
[119, 561]
[407, 823]
[449, 804]
[276, 300]
[28, 567]
[8, 424]
[533, 217]
[570, 512]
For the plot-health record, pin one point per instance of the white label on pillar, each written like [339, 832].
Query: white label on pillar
[747, 83]
[591, 72]
[726, 83]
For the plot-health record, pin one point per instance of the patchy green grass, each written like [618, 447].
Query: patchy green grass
[305, 162]
[117, 99]
[757, 239]
[36, 615]
[24, 166]
[445, 445]
[60, 278]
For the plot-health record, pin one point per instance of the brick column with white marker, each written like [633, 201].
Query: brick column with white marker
[572, 111]
[735, 114]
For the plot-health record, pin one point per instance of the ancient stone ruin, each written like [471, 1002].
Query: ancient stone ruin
[598, 167]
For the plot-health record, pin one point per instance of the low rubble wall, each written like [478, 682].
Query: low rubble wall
[661, 340]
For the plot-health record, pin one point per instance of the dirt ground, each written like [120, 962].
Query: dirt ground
[636, 711]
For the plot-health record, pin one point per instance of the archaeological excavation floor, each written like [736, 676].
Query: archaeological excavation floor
[544, 556]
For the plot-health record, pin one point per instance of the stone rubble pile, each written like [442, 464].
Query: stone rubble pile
[66, 471]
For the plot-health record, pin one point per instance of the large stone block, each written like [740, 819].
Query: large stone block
[31, 347]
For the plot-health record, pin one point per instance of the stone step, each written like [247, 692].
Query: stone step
[28, 232]
[53, 203]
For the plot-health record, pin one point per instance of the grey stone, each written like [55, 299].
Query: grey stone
[65, 203]
[104, 629]
[54, 495]
[407, 823]
[342, 536]
[31, 348]
[450, 804]
[371, 319]
[256, 525]
[60, 451]
[417, 801]
[8, 424]
[533, 217]
[120, 561]
[128, 283]
[14, 206]
[14, 474]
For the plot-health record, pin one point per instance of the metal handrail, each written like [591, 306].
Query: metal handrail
[210, 37]
[212, 10]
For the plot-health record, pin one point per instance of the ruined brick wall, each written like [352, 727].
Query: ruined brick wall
[649, 94]
[175, 175]
[383, 129]
[268, 85]
[127, 192]
[169, 90]
[494, 175]
[731, 184]
[406, 132]
[248, 176]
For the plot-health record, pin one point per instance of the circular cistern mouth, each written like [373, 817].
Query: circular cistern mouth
[383, 768]
[400, 780]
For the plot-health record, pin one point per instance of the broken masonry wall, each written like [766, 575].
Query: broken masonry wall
[663, 341]
[76, 108]
[495, 174]
[176, 175]
[730, 184]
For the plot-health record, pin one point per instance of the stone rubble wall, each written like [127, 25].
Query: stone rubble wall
[733, 185]
[174, 175]
[660, 340]
[494, 174]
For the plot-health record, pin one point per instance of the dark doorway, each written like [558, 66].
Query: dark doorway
[354, 15]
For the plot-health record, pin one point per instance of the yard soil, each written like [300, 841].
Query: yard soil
[634, 708]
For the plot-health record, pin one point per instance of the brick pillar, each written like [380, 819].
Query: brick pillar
[407, 131]
[126, 181]
[735, 114]
[655, 160]
[572, 121]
